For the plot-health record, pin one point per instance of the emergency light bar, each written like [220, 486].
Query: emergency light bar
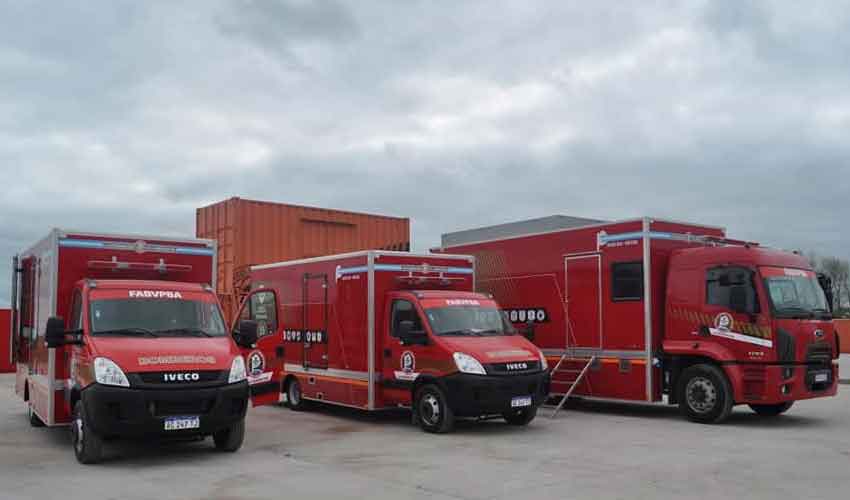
[410, 279]
[117, 265]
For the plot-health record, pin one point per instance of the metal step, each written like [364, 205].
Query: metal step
[572, 383]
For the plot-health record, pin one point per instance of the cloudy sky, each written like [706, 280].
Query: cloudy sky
[125, 116]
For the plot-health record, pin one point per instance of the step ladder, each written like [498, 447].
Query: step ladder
[572, 383]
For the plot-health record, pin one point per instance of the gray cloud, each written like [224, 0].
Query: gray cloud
[125, 116]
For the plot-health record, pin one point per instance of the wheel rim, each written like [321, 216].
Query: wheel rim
[429, 409]
[294, 393]
[701, 395]
[79, 434]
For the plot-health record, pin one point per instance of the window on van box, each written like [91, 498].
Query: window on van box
[263, 310]
[627, 281]
[722, 280]
[404, 310]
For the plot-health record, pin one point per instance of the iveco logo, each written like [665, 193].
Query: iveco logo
[818, 334]
[181, 377]
[516, 366]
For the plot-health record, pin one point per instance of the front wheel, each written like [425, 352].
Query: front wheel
[230, 439]
[772, 410]
[432, 410]
[294, 396]
[705, 395]
[520, 417]
[88, 446]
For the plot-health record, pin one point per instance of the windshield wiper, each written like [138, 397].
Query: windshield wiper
[465, 331]
[191, 331]
[491, 331]
[126, 331]
[796, 312]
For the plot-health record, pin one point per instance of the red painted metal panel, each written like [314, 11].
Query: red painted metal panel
[6, 365]
[253, 232]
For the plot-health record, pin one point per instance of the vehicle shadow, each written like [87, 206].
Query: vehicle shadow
[353, 420]
[741, 415]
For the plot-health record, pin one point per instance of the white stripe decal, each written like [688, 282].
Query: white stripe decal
[741, 338]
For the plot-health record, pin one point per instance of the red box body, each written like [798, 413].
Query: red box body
[6, 365]
[563, 281]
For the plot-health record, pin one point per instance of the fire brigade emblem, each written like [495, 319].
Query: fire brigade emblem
[256, 363]
[408, 362]
[723, 322]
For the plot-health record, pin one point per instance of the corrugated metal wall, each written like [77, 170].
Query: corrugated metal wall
[253, 232]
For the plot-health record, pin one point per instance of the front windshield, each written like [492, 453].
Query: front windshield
[794, 292]
[156, 317]
[468, 320]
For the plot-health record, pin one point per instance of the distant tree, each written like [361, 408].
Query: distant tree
[838, 271]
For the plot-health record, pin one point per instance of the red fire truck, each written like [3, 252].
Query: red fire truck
[122, 336]
[376, 330]
[640, 309]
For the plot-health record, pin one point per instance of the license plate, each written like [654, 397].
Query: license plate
[821, 377]
[521, 402]
[182, 423]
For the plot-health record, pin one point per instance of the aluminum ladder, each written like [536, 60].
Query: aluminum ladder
[572, 383]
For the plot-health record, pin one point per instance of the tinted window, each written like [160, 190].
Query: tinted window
[403, 310]
[723, 282]
[627, 281]
[76, 309]
[264, 311]
[159, 316]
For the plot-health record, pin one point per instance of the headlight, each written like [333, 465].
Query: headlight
[108, 373]
[237, 371]
[544, 365]
[467, 364]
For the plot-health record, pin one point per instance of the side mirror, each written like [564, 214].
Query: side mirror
[246, 335]
[410, 336]
[54, 332]
[528, 332]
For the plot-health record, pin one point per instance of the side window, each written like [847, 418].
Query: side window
[403, 310]
[76, 312]
[727, 285]
[626, 281]
[263, 310]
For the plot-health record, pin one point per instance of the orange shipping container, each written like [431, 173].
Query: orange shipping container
[252, 232]
[842, 327]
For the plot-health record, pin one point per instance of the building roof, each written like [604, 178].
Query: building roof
[513, 229]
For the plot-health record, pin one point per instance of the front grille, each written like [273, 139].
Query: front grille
[160, 377]
[820, 353]
[786, 347]
[181, 407]
[513, 368]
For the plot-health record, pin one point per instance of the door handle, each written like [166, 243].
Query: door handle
[388, 353]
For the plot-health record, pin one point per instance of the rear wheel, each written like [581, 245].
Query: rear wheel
[705, 395]
[35, 421]
[88, 446]
[432, 410]
[772, 410]
[294, 396]
[520, 417]
[230, 439]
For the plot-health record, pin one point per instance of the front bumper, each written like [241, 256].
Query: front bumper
[477, 395]
[136, 413]
[773, 384]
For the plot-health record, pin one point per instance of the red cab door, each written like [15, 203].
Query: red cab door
[263, 361]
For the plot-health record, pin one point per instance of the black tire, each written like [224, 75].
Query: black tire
[294, 396]
[432, 410]
[705, 395]
[33, 418]
[88, 446]
[230, 439]
[520, 417]
[772, 410]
